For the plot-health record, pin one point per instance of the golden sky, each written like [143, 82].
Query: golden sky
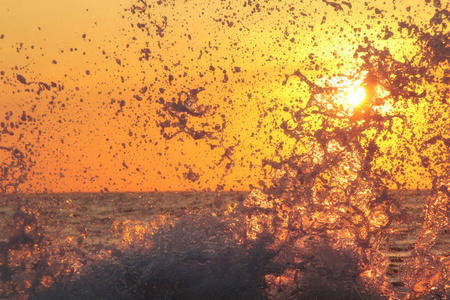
[83, 139]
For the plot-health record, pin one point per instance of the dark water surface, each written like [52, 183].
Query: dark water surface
[98, 220]
[99, 213]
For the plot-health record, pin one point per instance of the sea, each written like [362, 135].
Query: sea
[85, 238]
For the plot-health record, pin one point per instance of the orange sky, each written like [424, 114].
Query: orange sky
[86, 143]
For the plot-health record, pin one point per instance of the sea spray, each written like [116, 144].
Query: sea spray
[323, 223]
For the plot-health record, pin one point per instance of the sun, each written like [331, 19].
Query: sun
[348, 92]
[355, 96]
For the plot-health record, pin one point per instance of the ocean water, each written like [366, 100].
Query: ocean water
[86, 242]
[103, 214]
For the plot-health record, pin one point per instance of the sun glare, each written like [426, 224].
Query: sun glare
[356, 96]
[348, 92]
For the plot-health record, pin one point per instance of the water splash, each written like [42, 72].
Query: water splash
[322, 223]
[14, 169]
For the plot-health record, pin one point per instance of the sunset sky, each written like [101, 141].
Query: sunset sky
[98, 125]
